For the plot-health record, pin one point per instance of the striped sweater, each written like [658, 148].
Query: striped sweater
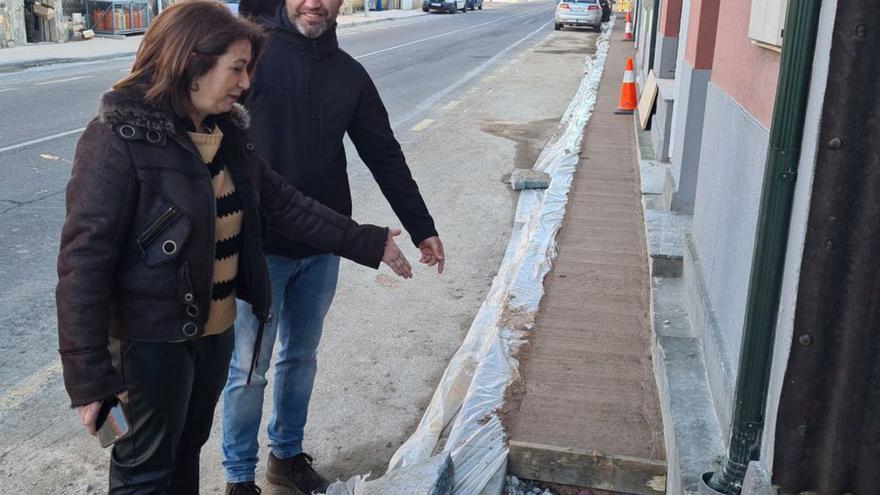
[221, 314]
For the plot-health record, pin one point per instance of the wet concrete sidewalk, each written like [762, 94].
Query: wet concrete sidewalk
[590, 413]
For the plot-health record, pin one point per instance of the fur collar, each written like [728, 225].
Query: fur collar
[126, 106]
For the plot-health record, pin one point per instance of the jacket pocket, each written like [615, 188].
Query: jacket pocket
[164, 237]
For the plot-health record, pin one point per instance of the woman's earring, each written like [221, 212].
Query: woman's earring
[194, 87]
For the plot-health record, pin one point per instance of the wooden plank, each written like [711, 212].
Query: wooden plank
[646, 101]
[586, 469]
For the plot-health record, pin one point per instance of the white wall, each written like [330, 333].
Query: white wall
[732, 160]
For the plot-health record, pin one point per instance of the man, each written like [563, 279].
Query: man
[306, 95]
[606, 10]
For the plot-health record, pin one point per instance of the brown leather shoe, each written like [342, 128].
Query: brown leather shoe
[296, 472]
[245, 488]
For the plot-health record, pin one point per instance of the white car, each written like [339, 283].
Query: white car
[579, 13]
[451, 6]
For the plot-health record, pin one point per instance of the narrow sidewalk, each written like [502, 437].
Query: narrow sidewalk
[100, 49]
[360, 19]
[590, 414]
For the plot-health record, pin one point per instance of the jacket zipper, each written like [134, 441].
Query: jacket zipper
[213, 237]
[156, 227]
[311, 58]
[213, 202]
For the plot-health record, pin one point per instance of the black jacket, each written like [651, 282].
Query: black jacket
[306, 94]
[137, 247]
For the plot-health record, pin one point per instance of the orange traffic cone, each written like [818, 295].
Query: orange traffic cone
[627, 102]
[628, 28]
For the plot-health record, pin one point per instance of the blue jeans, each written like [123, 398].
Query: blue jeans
[302, 290]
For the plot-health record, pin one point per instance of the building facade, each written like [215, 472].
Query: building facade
[718, 65]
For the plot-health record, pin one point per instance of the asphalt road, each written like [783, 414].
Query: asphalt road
[423, 66]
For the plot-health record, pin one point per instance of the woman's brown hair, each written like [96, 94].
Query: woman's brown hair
[183, 43]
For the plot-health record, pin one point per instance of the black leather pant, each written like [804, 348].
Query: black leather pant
[173, 388]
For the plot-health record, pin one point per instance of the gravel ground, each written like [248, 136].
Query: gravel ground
[517, 486]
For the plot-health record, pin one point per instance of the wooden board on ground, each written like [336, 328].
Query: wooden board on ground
[586, 469]
[646, 101]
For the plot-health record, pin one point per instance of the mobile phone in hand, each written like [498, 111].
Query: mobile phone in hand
[112, 425]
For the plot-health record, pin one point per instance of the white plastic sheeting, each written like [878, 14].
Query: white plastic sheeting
[471, 392]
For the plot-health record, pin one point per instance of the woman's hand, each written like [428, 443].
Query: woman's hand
[88, 414]
[393, 256]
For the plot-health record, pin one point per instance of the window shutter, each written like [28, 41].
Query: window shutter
[767, 20]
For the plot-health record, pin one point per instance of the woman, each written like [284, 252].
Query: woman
[165, 210]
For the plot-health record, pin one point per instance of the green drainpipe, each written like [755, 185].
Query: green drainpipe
[774, 217]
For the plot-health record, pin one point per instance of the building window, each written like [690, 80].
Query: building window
[767, 21]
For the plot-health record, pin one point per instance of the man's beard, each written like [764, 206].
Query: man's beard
[312, 30]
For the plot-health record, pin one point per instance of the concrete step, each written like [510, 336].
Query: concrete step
[666, 231]
[691, 429]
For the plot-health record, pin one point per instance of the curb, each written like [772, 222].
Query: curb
[374, 21]
[29, 64]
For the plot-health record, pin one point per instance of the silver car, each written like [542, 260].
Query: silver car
[579, 13]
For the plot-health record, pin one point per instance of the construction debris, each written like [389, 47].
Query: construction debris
[523, 178]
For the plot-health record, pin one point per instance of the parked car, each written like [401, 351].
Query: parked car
[475, 4]
[579, 13]
[451, 6]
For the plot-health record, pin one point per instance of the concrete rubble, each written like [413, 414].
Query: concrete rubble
[529, 179]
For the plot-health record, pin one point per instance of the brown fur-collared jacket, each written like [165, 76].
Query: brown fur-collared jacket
[137, 246]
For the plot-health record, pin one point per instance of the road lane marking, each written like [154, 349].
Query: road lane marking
[449, 33]
[433, 100]
[451, 105]
[7, 89]
[44, 83]
[421, 126]
[24, 392]
[40, 140]
[444, 95]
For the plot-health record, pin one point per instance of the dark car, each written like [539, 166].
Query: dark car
[474, 4]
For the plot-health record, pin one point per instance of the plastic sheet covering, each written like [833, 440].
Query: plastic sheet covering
[351, 487]
[471, 392]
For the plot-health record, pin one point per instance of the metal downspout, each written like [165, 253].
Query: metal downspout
[655, 25]
[636, 6]
[774, 217]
